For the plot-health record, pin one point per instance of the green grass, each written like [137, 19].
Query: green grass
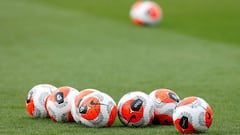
[195, 51]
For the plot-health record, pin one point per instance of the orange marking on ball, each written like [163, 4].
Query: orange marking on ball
[165, 119]
[188, 130]
[93, 108]
[154, 12]
[112, 115]
[64, 90]
[137, 22]
[137, 4]
[187, 101]
[81, 95]
[162, 94]
[128, 113]
[30, 106]
[208, 116]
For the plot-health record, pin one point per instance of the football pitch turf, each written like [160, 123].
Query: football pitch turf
[195, 51]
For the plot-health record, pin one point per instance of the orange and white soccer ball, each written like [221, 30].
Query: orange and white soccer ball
[192, 115]
[36, 98]
[136, 109]
[146, 13]
[97, 109]
[165, 101]
[76, 102]
[58, 104]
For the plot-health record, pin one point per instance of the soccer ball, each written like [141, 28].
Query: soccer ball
[192, 115]
[135, 109]
[145, 13]
[58, 104]
[97, 110]
[36, 98]
[75, 103]
[165, 101]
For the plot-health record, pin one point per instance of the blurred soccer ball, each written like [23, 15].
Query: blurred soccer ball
[36, 98]
[97, 110]
[75, 103]
[58, 104]
[192, 115]
[165, 101]
[146, 13]
[135, 109]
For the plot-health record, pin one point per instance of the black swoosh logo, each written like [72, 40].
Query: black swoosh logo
[131, 118]
[96, 103]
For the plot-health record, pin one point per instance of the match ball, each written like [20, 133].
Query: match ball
[76, 102]
[58, 104]
[165, 101]
[136, 109]
[192, 115]
[97, 109]
[145, 13]
[36, 98]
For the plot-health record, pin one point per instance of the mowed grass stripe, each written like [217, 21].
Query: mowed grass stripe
[72, 48]
[214, 20]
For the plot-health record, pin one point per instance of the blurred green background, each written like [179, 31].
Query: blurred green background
[93, 44]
